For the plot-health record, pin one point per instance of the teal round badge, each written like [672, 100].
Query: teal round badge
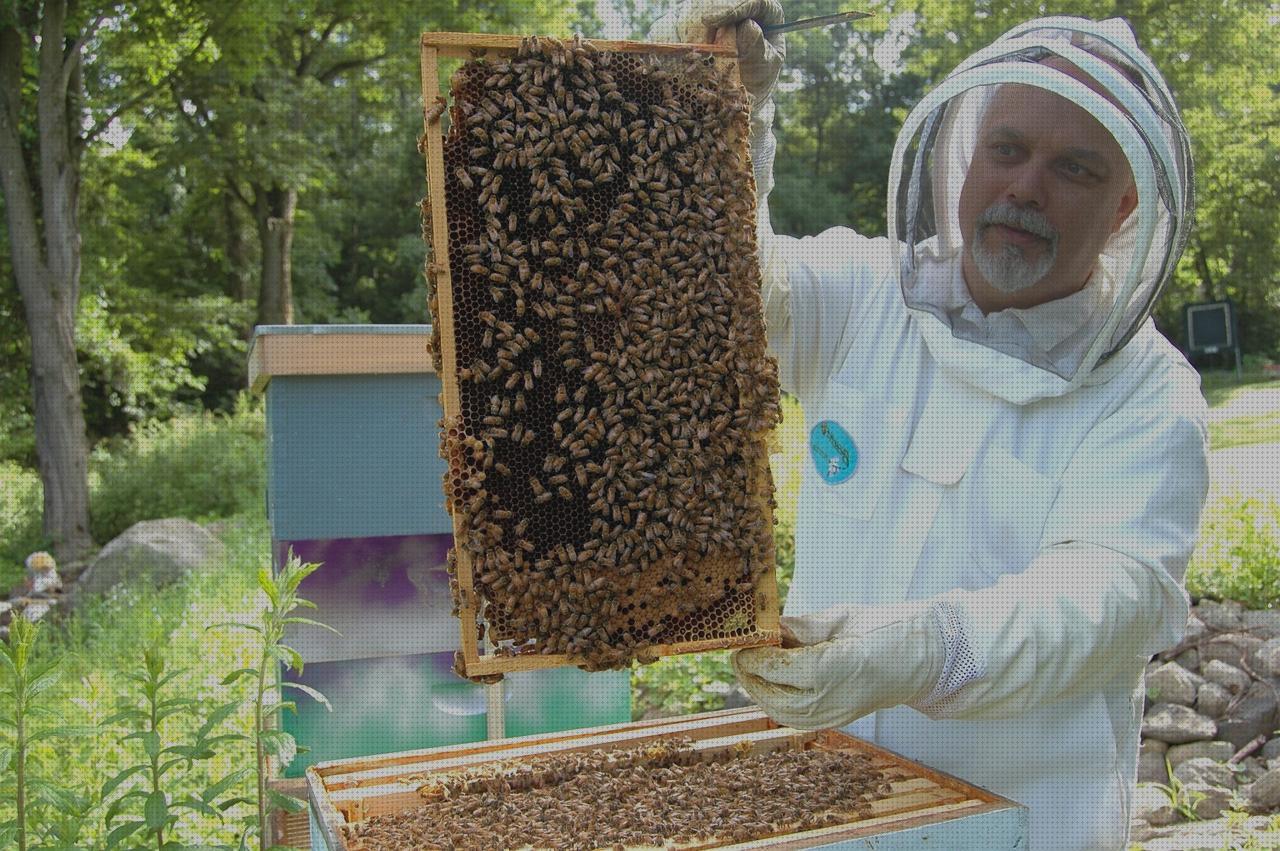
[834, 453]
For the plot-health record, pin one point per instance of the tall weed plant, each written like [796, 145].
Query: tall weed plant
[1238, 553]
[99, 647]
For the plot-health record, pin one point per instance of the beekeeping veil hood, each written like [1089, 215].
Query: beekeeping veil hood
[932, 158]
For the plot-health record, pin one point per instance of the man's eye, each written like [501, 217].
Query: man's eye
[1004, 149]
[1076, 170]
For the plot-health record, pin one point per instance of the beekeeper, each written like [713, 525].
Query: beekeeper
[1006, 460]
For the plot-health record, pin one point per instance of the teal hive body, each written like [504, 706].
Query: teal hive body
[355, 483]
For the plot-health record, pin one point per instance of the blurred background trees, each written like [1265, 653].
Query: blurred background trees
[247, 161]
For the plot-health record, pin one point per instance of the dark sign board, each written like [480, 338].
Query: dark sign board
[1210, 327]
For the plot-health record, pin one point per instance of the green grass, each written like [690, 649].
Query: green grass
[1246, 431]
[1238, 554]
[1222, 387]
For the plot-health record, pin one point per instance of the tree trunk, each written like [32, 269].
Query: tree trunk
[274, 209]
[48, 269]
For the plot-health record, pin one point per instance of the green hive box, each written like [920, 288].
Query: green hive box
[354, 483]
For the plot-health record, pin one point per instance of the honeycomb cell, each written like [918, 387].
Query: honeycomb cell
[608, 475]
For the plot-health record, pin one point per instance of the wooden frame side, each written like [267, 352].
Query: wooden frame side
[474, 663]
[433, 152]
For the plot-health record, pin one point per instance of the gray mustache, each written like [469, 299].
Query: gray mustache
[1006, 213]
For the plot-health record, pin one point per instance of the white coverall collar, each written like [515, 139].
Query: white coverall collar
[1063, 328]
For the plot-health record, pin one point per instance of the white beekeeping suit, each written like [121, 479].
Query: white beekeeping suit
[1001, 502]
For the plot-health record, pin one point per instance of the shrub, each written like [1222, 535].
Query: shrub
[198, 466]
[21, 501]
[1238, 555]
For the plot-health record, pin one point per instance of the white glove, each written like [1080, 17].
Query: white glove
[857, 660]
[759, 56]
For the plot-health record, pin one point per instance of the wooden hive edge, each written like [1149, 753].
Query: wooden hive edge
[919, 796]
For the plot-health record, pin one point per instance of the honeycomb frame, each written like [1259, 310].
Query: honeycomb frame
[743, 602]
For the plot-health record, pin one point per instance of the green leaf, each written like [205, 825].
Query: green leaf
[156, 810]
[288, 803]
[118, 805]
[279, 744]
[310, 622]
[122, 832]
[70, 732]
[231, 802]
[114, 783]
[309, 691]
[237, 674]
[237, 625]
[267, 583]
[287, 655]
[199, 806]
[6, 755]
[224, 784]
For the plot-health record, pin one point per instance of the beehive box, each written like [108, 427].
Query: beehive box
[607, 394]
[878, 800]
[353, 483]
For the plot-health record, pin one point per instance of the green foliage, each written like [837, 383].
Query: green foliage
[168, 763]
[26, 680]
[21, 499]
[269, 700]
[98, 651]
[1182, 799]
[1238, 554]
[198, 466]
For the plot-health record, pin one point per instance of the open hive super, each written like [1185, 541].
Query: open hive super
[607, 393]
[708, 781]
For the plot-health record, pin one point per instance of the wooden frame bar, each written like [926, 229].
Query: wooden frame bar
[475, 663]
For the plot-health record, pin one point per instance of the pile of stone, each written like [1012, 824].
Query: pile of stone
[1212, 715]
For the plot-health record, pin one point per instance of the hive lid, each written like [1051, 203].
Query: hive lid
[336, 350]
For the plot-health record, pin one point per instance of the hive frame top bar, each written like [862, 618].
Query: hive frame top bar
[461, 44]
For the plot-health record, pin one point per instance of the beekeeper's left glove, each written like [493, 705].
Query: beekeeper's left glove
[855, 660]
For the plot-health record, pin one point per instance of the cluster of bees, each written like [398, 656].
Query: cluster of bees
[647, 796]
[608, 472]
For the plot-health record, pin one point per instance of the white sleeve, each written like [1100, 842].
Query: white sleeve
[819, 293]
[1105, 592]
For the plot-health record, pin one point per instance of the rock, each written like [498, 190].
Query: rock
[1212, 699]
[1230, 676]
[1205, 771]
[1216, 751]
[1263, 795]
[1195, 627]
[1173, 683]
[1152, 806]
[1263, 623]
[162, 549]
[1226, 616]
[1189, 659]
[1152, 768]
[1209, 801]
[1270, 751]
[1176, 724]
[1253, 715]
[1251, 768]
[1266, 659]
[1153, 746]
[1232, 649]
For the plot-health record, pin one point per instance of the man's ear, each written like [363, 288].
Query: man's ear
[1128, 202]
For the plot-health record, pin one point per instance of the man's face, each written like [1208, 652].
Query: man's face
[1047, 187]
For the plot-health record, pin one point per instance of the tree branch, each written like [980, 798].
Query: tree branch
[15, 180]
[71, 55]
[333, 71]
[100, 127]
[308, 56]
